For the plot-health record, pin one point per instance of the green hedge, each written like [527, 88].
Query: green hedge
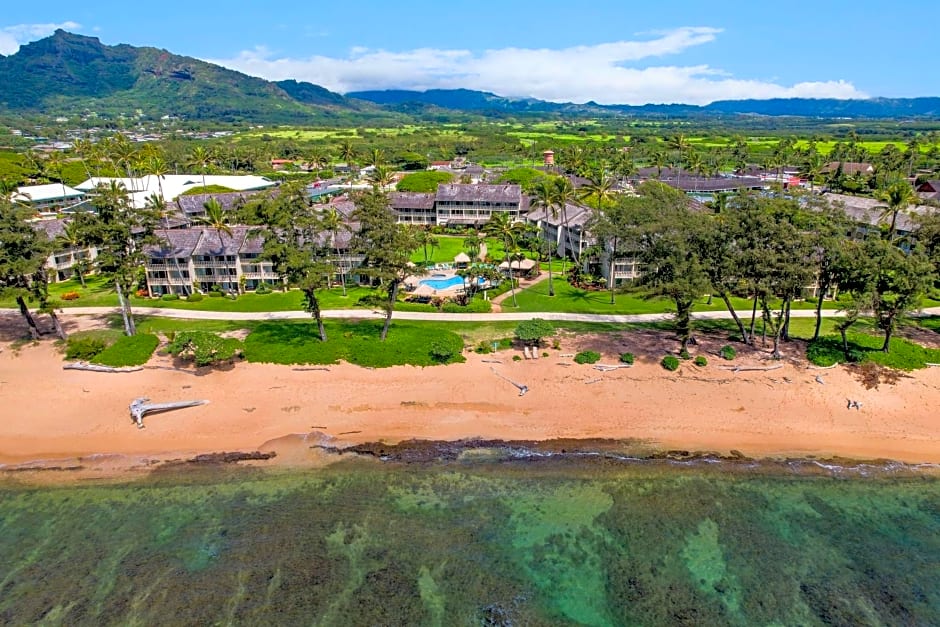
[134, 350]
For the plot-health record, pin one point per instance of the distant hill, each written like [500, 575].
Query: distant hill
[458, 100]
[480, 102]
[67, 73]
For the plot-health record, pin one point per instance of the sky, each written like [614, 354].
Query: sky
[606, 51]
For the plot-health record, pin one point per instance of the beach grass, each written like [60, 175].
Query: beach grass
[356, 342]
[134, 350]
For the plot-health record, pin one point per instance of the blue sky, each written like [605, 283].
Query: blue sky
[601, 50]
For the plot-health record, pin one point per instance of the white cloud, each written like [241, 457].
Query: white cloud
[11, 37]
[608, 73]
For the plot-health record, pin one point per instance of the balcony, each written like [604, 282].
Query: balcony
[215, 264]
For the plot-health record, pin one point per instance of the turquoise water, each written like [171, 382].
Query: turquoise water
[446, 284]
[492, 542]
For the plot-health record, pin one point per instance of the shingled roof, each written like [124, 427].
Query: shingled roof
[174, 243]
[411, 200]
[229, 201]
[218, 243]
[52, 228]
[456, 192]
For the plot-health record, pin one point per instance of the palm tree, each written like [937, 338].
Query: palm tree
[473, 244]
[500, 225]
[200, 158]
[348, 154]
[564, 195]
[898, 195]
[659, 159]
[375, 158]
[215, 218]
[158, 205]
[332, 222]
[678, 142]
[381, 176]
[71, 239]
[812, 169]
[316, 159]
[545, 199]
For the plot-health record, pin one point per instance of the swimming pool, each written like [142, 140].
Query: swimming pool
[446, 283]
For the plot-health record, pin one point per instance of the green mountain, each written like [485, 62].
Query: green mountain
[471, 101]
[67, 73]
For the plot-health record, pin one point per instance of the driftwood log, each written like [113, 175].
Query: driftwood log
[609, 367]
[139, 407]
[519, 386]
[752, 368]
[84, 365]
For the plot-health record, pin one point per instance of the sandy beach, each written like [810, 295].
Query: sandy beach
[50, 414]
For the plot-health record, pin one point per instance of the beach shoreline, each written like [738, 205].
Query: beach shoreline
[54, 417]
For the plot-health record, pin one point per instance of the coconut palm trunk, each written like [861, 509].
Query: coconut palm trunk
[30, 321]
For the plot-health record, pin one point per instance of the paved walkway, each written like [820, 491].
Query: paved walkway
[435, 317]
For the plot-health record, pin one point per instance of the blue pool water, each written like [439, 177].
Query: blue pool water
[446, 284]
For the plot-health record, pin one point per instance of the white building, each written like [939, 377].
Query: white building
[170, 186]
[50, 198]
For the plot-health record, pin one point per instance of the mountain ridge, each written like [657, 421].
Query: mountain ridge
[67, 73]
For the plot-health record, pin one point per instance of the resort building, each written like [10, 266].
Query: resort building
[51, 198]
[413, 207]
[65, 261]
[191, 260]
[458, 204]
[171, 186]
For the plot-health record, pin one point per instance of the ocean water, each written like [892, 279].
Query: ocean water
[533, 541]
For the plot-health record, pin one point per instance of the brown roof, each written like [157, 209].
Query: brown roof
[52, 228]
[848, 167]
[217, 243]
[229, 201]
[479, 193]
[173, 243]
[411, 200]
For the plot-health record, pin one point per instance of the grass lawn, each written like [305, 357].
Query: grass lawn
[449, 246]
[355, 342]
[577, 300]
[903, 354]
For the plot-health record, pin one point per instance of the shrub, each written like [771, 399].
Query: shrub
[670, 363]
[133, 350]
[264, 288]
[544, 354]
[587, 357]
[215, 294]
[71, 296]
[516, 358]
[195, 297]
[556, 344]
[728, 352]
[204, 348]
[532, 331]
[626, 358]
[684, 354]
[84, 348]
[169, 297]
[701, 361]
[442, 351]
